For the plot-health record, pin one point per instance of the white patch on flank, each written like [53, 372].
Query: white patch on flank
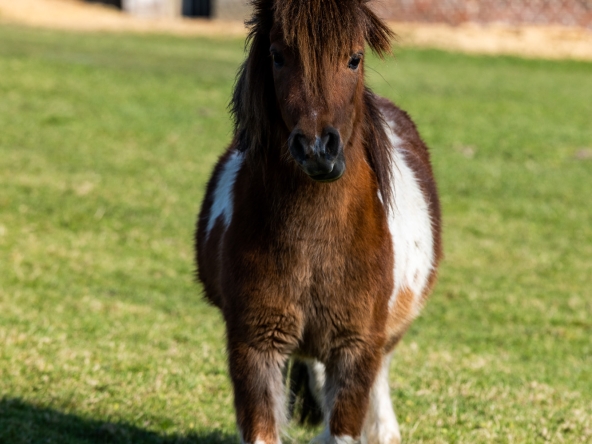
[381, 425]
[223, 193]
[410, 227]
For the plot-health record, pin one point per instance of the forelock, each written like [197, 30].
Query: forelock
[323, 31]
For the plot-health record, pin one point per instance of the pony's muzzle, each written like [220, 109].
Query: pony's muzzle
[320, 157]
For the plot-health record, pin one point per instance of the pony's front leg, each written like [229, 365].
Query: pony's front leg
[259, 395]
[260, 339]
[349, 379]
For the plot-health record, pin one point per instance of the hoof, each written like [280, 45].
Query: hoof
[383, 437]
[326, 438]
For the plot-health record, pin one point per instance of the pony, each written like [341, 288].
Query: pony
[319, 234]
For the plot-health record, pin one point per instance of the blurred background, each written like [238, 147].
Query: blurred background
[563, 12]
[539, 28]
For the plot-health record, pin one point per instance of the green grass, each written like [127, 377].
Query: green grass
[106, 142]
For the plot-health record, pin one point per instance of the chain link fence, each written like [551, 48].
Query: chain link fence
[512, 12]
[454, 12]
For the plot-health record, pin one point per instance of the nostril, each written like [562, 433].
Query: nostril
[333, 142]
[306, 143]
[303, 145]
[299, 146]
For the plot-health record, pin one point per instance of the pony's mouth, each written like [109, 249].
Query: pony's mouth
[323, 168]
[331, 176]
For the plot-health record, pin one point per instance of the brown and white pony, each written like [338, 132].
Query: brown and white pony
[319, 236]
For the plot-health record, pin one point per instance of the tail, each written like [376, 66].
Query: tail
[302, 402]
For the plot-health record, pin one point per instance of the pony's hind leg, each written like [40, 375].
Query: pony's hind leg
[381, 425]
[348, 382]
[306, 380]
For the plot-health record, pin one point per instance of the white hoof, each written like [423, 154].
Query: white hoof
[383, 435]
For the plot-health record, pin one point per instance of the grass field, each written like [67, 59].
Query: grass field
[106, 142]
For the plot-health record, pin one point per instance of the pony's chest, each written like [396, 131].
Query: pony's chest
[331, 264]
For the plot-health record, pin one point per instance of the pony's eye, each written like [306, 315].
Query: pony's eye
[354, 62]
[278, 59]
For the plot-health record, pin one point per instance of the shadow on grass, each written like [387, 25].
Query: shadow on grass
[22, 423]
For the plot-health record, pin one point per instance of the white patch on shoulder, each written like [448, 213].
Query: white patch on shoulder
[223, 194]
[410, 226]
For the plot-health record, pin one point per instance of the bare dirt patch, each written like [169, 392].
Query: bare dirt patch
[80, 16]
[584, 154]
[528, 41]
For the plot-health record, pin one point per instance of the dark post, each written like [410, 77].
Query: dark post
[197, 8]
[115, 3]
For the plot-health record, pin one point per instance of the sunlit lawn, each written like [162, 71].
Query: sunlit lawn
[106, 142]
